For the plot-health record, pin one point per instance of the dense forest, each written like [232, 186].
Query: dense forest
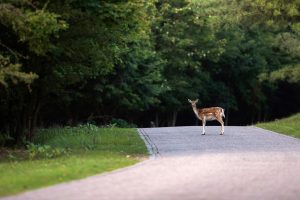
[65, 62]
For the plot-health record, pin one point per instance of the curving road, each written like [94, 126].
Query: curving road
[245, 163]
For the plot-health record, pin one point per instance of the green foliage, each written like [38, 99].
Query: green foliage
[185, 39]
[278, 17]
[10, 71]
[4, 137]
[289, 44]
[44, 151]
[122, 123]
[290, 74]
[37, 29]
[33, 27]
[273, 14]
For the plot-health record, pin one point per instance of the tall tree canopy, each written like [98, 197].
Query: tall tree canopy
[75, 61]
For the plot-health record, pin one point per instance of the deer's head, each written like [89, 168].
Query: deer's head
[193, 102]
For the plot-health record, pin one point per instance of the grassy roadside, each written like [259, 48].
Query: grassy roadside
[288, 126]
[63, 154]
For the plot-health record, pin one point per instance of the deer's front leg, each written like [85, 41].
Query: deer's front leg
[222, 126]
[203, 126]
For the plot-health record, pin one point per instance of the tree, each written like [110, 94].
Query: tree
[27, 32]
[187, 39]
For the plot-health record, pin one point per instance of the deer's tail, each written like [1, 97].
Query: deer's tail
[223, 114]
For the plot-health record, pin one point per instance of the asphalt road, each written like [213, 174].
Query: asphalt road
[245, 163]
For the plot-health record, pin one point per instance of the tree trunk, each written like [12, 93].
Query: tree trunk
[172, 119]
[20, 127]
[227, 117]
[32, 120]
[156, 119]
[32, 108]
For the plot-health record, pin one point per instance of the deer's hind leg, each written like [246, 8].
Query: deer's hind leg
[220, 120]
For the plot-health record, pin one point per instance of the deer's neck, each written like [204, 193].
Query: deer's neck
[196, 111]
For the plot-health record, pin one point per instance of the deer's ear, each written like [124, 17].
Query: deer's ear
[189, 100]
[196, 100]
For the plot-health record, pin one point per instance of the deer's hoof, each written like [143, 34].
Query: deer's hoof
[221, 133]
[203, 133]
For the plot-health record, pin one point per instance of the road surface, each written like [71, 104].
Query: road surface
[245, 163]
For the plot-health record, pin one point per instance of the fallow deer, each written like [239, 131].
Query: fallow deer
[208, 114]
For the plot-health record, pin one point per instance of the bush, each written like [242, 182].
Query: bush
[89, 127]
[44, 151]
[4, 138]
[122, 123]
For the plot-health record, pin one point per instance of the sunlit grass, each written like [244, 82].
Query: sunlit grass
[288, 126]
[91, 150]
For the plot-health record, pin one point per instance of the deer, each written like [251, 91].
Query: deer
[208, 114]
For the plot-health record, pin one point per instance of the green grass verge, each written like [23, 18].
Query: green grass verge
[90, 150]
[288, 126]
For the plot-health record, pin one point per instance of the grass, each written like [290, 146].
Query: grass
[88, 150]
[288, 126]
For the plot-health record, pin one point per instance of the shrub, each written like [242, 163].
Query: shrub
[122, 123]
[88, 126]
[44, 151]
[4, 137]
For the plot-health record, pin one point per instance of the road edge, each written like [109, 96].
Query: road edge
[151, 146]
[277, 133]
